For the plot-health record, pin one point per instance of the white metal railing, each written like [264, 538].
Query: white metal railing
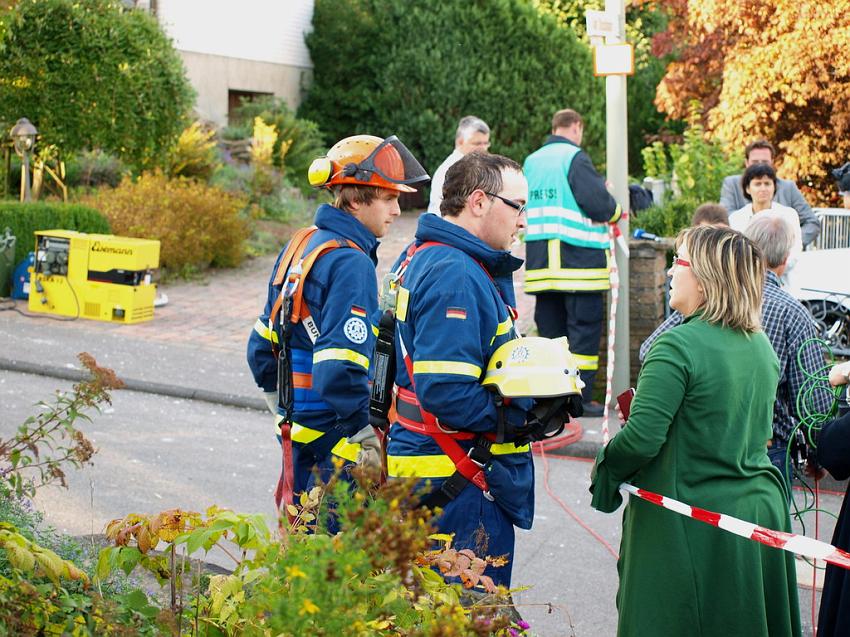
[835, 228]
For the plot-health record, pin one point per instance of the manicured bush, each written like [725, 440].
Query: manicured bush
[25, 218]
[93, 74]
[414, 69]
[198, 225]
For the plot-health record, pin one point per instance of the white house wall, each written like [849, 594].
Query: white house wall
[244, 45]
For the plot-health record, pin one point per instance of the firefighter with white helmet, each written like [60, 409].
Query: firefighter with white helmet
[311, 347]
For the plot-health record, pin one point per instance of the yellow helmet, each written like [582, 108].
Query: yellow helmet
[534, 367]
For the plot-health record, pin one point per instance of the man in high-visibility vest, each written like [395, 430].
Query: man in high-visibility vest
[311, 347]
[567, 244]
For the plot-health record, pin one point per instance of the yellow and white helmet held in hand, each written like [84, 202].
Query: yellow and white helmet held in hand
[534, 367]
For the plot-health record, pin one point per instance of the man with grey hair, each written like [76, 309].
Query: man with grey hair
[790, 328]
[791, 331]
[472, 135]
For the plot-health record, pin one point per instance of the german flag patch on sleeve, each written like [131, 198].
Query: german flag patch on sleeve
[358, 311]
[456, 313]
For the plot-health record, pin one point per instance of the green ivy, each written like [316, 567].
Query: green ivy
[93, 75]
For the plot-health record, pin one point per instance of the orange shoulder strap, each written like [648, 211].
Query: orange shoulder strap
[300, 311]
[296, 245]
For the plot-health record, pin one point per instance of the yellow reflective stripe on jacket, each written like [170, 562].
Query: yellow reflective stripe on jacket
[570, 274]
[558, 279]
[446, 367]
[586, 362]
[305, 435]
[567, 285]
[439, 466]
[340, 354]
[263, 330]
[375, 330]
[504, 327]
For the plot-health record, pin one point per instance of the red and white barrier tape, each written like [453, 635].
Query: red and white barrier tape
[616, 237]
[800, 544]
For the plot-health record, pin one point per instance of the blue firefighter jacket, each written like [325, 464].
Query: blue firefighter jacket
[452, 315]
[342, 294]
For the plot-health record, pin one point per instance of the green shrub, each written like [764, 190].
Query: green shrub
[668, 219]
[415, 68]
[197, 225]
[298, 141]
[25, 218]
[94, 168]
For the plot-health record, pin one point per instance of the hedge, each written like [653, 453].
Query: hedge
[25, 218]
[415, 68]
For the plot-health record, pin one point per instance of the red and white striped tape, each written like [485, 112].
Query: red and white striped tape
[800, 544]
[616, 238]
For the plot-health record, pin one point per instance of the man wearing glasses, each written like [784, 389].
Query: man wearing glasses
[567, 245]
[455, 307]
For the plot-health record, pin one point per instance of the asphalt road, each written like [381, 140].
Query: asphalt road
[157, 453]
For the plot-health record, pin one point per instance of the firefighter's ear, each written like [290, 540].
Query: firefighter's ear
[478, 201]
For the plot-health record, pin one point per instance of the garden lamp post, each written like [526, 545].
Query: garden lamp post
[23, 135]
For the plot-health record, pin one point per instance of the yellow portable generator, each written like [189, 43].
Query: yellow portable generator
[95, 276]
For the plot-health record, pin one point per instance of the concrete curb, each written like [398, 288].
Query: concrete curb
[134, 384]
[580, 449]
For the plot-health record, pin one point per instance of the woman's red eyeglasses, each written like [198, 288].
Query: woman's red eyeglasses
[682, 262]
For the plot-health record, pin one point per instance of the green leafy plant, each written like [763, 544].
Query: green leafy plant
[197, 225]
[373, 578]
[93, 75]
[696, 166]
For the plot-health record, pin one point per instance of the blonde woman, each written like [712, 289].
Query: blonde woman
[698, 432]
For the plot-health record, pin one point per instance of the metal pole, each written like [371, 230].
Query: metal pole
[25, 178]
[617, 160]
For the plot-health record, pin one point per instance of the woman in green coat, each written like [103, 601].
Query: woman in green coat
[698, 432]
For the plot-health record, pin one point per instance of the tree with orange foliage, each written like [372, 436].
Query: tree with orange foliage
[776, 69]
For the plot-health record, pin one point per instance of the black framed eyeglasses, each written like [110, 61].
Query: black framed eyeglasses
[519, 207]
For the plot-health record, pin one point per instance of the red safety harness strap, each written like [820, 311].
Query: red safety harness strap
[428, 424]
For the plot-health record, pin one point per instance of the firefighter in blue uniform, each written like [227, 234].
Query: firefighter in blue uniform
[567, 244]
[315, 332]
[454, 309]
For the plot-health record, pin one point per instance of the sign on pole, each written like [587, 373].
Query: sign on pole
[613, 59]
[602, 24]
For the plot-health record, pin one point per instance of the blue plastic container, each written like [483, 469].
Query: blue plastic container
[21, 278]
